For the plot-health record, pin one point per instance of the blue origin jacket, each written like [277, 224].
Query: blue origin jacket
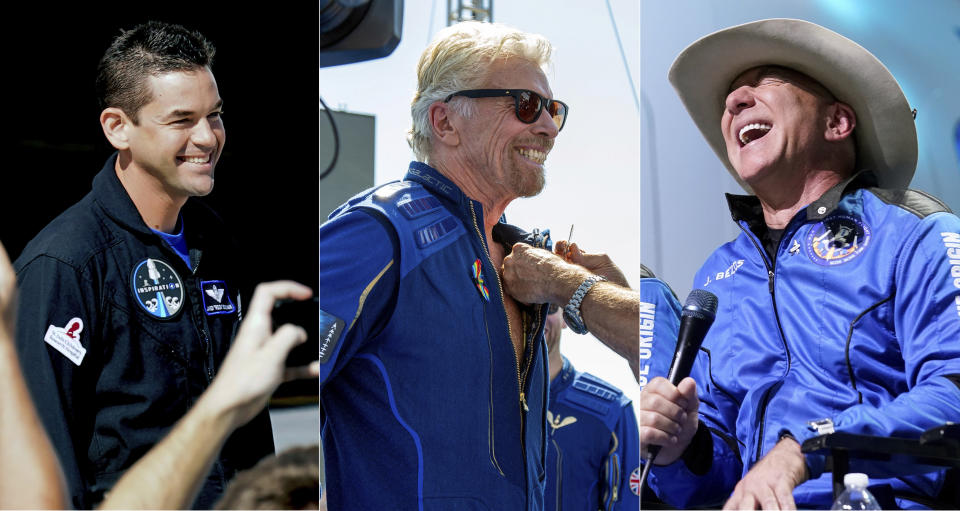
[424, 402]
[659, 326]
[593, 446]
[857, 320]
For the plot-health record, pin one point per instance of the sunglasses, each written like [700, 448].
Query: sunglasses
[527, 104]
[553, 309]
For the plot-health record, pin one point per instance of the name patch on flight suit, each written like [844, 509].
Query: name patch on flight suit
[216, 298]
[66, 340]
[158, 288]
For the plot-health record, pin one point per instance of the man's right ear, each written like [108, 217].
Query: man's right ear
[442, 124]
[114, 122]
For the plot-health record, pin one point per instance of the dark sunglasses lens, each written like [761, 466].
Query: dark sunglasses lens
[528, 106]
[559, 112]
[553, 309]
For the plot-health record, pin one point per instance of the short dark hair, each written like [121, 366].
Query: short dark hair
[149, 49]
[289, 480]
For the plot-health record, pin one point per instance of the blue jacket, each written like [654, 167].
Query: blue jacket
[424, 403]
[857, 320]
[593, 445]
[659, 326]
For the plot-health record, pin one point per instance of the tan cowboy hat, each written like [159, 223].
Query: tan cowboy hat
[885, 135]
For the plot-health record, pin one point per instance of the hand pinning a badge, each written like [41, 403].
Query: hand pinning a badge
[599, 264]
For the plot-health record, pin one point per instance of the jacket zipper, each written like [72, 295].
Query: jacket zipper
[198, 321]
[204, 333]
[523, 400]
[773, 298]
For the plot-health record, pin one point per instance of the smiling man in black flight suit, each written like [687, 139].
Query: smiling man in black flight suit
[130, 298]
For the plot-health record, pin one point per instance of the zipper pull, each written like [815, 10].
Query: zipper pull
[770, 275]
[523, 401]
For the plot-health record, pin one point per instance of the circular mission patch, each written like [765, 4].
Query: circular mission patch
[158, 288]
[837, 239]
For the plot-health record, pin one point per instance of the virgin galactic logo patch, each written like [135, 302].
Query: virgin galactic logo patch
[837, 240]
[158, 288]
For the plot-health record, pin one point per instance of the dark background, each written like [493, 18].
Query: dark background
[266, 69]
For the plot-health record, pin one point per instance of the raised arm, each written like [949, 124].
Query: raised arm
[169, 475]
[610, 310]
[31, 474]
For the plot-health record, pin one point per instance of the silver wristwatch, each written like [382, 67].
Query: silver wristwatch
[571, 311]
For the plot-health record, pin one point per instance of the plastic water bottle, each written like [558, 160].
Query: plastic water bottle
[856, 495]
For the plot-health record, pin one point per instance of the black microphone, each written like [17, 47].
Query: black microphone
[698, 313]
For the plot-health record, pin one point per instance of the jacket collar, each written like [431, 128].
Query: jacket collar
[747, 207]
[434, 181]
[439, 184]
[116, 203]
[110, 194]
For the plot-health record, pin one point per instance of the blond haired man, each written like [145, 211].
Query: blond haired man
[430, 374]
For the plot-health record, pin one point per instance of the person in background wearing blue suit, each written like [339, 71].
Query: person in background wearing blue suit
[593, 446]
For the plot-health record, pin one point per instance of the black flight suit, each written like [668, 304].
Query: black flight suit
[118, 337]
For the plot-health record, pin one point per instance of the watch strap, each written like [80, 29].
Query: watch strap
[573, 306]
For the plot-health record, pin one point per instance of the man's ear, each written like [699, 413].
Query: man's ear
[442, 125]
[841, 120]
[114, 122]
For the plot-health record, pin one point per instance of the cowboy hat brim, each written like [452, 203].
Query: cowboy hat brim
[885, 134]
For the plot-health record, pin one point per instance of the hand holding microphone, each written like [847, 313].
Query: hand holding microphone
[666, 407]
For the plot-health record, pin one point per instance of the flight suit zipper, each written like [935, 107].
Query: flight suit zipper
[205, 336]
[521, 377]
[483, 243]
[195, 292]
[771, 287]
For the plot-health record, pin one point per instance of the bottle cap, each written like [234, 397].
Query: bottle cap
[856, 479]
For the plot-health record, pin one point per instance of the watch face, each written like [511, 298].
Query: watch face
[572, 317]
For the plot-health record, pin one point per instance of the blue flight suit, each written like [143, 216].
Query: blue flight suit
[593, 449]
[856, 319]
[424, 403]
[659, 326]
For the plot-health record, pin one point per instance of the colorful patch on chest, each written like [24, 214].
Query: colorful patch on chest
[476, 269]
[157, 288]
[837, 240]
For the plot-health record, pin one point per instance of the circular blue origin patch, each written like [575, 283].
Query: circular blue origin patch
[837, 239]
[158, 288]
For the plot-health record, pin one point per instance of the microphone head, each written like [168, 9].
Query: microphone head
[700, 303]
